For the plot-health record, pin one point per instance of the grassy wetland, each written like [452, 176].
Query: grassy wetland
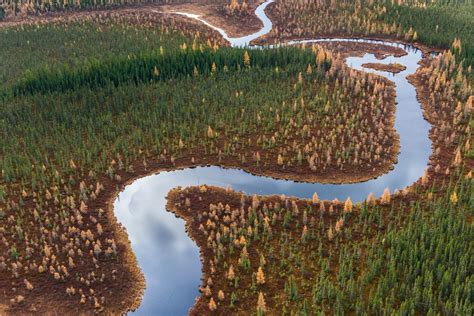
[92, 98]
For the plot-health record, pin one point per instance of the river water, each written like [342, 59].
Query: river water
[170, 260]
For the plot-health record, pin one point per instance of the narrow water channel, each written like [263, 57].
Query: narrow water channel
[170, 259]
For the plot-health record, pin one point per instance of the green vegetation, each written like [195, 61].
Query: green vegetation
[98, 124]
[434, 23]
[437, 25]
[50, 45]
[20, 7]
[130, 109]
[311, 257]
[160, 66]
[432, 254]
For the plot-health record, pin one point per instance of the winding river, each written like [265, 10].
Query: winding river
[170, 259]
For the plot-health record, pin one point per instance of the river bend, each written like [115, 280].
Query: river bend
[170, 260]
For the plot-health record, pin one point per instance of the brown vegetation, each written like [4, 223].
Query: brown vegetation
[236, 18]
[446, 95]
[359, 49]
[393, 68]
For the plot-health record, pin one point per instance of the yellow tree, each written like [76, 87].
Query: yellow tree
[454, 197]
[330, 233]
[385, 196]
[457, 159]
[220, 295]
[348, 205]
[231, 273]
[234, 5]
[247, 59]
[210, 132]
[260, 276]
[212, 305]
[244, 7]
[321, 57]
[280, 160]
[315, 198]
[339, 224]
[370, 198]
